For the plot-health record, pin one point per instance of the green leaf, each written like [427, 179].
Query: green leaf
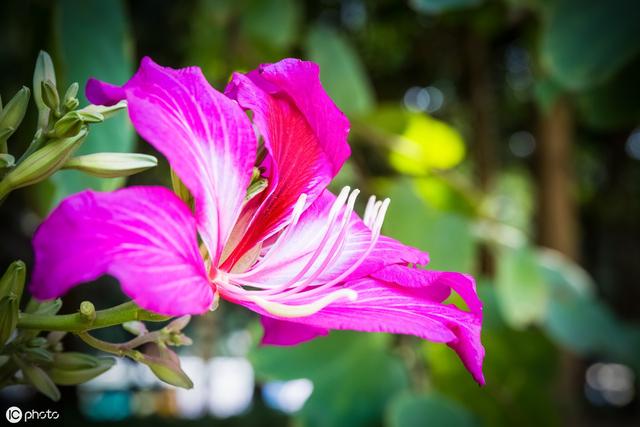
[94, 41]
[586, 41]
[353, 376]
[578, 320]
[446, 236]
[520, 286]
[342, 73]
[272, 22]
[614, 104]
[440, 6]
[431, 410]
[520, 369]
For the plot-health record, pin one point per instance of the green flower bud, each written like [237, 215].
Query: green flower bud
[38, 378]
[104, 111]
[45, 308]
[42, 163]
[50, 95]
[37, 342]
[13, 113]
[12, 281]
[71, 93]
[90, 116]
[44, 71]
[112, 165]
[38, 355]
[8, 318]
[77, 368]
[69, 125]
[165, 365]
[7, 161]
[11, 287]
[71, 104]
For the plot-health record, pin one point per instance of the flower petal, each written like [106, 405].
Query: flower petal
[206, 137]
[317, 237]
[144, 236]
[385, 307]
[282, 332]
[304, 134]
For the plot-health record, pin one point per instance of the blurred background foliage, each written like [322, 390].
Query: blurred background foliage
[506, 134]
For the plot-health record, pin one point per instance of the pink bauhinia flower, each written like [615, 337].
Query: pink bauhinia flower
[295, 253]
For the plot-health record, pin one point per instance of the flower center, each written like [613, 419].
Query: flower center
[305, 292]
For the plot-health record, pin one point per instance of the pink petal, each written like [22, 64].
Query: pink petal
[305, 136]
[304, 243]
[385, 307]
[206, 137]
[282, 332]
[144, 236]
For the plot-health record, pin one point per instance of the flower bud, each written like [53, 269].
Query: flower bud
[38, 378]
[42, 163]
[90, 116]
[46, 308]
[104, 111]
[135, 327]
[88, 311]
[69, 125]
[11, 287]
[111, 165]
[13, 113]
[71, 93]
[6, 160]
[50, 95]
[37, 355]
[8, 319]
[76, 368]
[165, 365]
[44, 71]
[178, 324]
[12, 281]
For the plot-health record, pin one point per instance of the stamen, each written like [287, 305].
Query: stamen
[280, 300]
[368, 211]
[375, 234]
[295, 217]
[290, 311]
[329, 257]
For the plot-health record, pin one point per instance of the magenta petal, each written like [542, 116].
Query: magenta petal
[282, 332]
[144, 236]
[385, 307]
[102, 93]
[304, 242]
[305, 136]
[206, 137]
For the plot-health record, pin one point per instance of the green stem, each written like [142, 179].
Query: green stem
[119, 350]
[78, 322]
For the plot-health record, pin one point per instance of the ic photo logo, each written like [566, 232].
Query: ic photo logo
[15, 415]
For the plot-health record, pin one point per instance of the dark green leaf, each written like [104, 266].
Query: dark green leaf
[431, 410]
[440, 6]
[353, 376]
[342, 73]
[586, 41]
[94, 42]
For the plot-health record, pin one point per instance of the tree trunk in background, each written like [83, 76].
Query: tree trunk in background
[558, 224]
[558, 228]
[484, 126]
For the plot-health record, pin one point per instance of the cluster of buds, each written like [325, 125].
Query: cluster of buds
[29, 358]
[62, 129]
[36, 360]
[26, 355]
